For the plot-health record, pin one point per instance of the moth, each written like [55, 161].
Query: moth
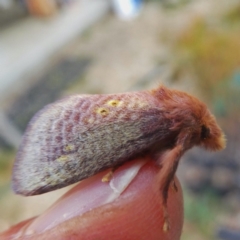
[81, 135]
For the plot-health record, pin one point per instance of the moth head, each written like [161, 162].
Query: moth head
[211, 136]
[204, 128]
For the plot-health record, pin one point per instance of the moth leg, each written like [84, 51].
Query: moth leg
[174, 186]
[107, 177]
[168, 168]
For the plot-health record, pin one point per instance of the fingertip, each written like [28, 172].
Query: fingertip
[136, 214]
[15, 232]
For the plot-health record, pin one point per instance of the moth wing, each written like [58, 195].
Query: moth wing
[49, 144]
[81, 135]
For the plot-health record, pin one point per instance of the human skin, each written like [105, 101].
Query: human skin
[135, 214]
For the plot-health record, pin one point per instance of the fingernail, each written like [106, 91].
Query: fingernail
[86, 196]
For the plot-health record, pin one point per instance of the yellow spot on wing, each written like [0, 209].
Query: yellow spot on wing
[62, 158]
[69, 148]
[114, 103]
[103, 111]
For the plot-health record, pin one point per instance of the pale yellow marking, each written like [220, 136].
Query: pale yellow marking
[69, 148]
[132, 105]
[174, 186]
[62, 158]
[50, 181]
[102, 111]
[142, 104]
[137, 105]
[221, 142]
[85, 120]
[166, 226]
[107, 177]
[90, 120]
[114, 103]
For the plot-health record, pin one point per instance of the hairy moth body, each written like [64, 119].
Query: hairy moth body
[79, 136]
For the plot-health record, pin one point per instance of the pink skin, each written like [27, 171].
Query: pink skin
[126, 208]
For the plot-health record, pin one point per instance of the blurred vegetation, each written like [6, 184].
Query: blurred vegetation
[233, 16]
[210, 54]
[6, 160]
[170, 4]
[207, 52]
[201, 211]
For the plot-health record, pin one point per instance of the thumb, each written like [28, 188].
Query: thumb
[127, 208]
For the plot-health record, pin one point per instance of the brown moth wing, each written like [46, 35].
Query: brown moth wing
[81, 135]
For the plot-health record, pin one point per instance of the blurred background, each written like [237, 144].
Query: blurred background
[53, 48]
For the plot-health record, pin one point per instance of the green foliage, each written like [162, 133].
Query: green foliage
[6, 160]
[170, 4]
[201, 212]
[210, 54]
[233, 16]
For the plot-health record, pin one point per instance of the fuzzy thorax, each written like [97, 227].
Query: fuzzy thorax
[189, 114]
